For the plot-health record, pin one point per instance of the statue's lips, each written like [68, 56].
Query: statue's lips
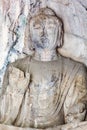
[44, 39]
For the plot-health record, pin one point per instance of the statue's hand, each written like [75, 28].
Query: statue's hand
[76, 113]
[69, 126]
[17, 78]
[11, 100]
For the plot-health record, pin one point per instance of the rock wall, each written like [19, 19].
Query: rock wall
[14, 21]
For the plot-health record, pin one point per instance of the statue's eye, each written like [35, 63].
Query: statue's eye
[70, 114]
[36, 26]
[82, 110]
[51, 26]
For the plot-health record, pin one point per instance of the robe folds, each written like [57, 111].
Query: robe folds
[43, 94]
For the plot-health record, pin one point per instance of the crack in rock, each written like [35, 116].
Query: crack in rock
[83, 5]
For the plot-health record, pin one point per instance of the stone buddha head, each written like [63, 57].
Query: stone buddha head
[46, 30]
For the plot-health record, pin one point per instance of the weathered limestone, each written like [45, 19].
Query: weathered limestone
[13, 22]
[46, 90]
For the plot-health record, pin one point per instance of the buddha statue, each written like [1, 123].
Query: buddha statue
[46, 90]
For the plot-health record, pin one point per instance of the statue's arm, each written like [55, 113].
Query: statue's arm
[15, 85]
[6, 79]
[75, 105]
[76, 109]
[20, 64]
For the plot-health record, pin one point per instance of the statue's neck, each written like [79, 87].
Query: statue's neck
[45, 55]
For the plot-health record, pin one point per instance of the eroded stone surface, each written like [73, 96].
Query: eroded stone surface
[13, 23]
[45, 90]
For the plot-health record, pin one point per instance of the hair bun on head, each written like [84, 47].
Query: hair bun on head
[47, 11]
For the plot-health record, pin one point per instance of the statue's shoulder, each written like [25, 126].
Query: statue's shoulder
[22, 60]
[70, 63]
[20, 63]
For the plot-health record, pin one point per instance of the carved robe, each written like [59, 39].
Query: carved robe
[48, 96]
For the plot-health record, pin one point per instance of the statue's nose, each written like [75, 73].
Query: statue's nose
[44, 32]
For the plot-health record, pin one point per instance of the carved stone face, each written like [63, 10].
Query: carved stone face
[44, 32]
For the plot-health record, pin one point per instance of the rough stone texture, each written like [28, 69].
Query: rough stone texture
[13, 23]
[47, 90]
[15, 43]
[81, 126]
[32, 99]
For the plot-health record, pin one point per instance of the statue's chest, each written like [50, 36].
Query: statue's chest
[44, 91]
[44, 86]
[44, 97]
[45, 73]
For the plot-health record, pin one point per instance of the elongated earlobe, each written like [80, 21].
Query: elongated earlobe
[60, 35]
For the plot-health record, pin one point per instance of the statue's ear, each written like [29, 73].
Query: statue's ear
[60, 38]
[27, 41]
[10, 69]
